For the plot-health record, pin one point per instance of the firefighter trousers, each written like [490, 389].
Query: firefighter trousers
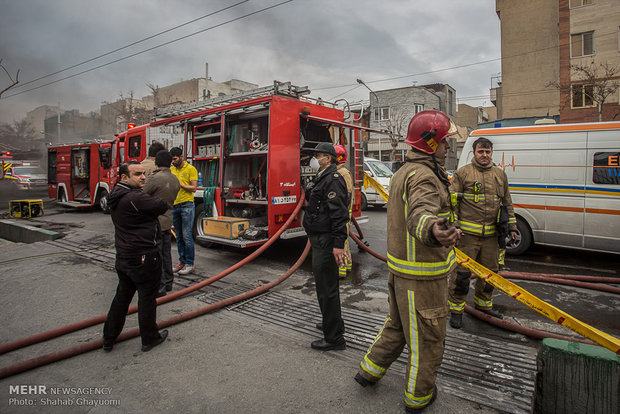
[417, 317]
[485, 251]
[342, 271]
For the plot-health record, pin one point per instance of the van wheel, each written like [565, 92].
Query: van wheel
[524, 239]
[364, 205]
[199, 214]
[103, 202]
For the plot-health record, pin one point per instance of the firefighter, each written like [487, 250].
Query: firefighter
[325, 221]
[420, 257]
[341, 153]
[485, 188]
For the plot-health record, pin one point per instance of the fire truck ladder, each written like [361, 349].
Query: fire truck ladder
[278, 88]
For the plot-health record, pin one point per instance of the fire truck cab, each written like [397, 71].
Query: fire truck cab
[251, 153]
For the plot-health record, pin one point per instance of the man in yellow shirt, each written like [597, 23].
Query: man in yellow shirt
[183, 210]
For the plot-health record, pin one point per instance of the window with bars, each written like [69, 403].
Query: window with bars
[581, 96]
[382, 114]
[582, 44]
[580, 3]
[418, 108]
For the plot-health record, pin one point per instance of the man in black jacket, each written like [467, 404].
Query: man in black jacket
[138, 261]
[325, 221]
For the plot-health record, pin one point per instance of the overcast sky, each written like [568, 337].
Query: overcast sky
[324, 44]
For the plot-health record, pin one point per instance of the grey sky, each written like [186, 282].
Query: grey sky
[319, 43]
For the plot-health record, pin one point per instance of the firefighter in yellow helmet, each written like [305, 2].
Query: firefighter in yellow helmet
[341, 153]
[420, 240]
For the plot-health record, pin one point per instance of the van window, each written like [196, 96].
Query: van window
[379, 169]
[606, 168]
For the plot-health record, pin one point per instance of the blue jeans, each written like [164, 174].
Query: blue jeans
[183, 221]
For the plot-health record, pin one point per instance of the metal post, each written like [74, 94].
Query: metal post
[361, 82]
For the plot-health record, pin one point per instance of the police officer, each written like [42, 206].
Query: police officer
[420, 257]
[325, 221]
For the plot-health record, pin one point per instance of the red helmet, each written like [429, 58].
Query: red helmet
[427, 129]
[341, 152]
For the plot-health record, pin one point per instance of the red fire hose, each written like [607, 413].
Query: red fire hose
[567, 280]
[44, 336]
[132, 333]
[533, 333]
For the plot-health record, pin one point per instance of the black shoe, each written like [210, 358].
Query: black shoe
[108, 344]
[169, 287]
[456, 320]
[323, 345]
[417, 410]
[363, 381]
[319, 326]
[491, 313]
[163, 335]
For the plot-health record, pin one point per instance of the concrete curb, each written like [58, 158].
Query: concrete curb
[24, 233]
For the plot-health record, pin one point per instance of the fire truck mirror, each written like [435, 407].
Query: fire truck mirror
[104, 157]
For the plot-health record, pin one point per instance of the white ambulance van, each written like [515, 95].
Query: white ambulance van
[564, 180]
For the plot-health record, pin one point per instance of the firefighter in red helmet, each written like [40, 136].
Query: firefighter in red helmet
[341, 153]
[420, 241]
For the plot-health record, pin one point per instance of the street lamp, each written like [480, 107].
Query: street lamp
[361, 82]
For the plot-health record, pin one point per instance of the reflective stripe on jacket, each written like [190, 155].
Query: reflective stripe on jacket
[484, 189]
[417, 200]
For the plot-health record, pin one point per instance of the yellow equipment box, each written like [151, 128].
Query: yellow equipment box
[25, 208]
[226, 227]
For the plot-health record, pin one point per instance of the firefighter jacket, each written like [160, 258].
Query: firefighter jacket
[484, 189]
[327, 210]
[418, 198]
[347, 178]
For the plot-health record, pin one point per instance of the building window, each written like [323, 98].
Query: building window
[579, 3]
[382, 114]
[418, 108]
[581, 96]
[582, 44]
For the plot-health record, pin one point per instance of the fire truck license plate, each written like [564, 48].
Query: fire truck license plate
[284, 200]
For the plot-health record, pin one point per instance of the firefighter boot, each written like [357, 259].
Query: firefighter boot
[456, 320]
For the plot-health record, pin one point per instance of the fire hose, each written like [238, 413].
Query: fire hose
[531, 301]
[132, 333]
[44, 336]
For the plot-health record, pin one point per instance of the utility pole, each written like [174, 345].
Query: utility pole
[361, 82]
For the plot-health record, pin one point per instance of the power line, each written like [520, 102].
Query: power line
[131, 44]
[151, 48]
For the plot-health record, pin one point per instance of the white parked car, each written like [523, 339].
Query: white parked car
[382, 174]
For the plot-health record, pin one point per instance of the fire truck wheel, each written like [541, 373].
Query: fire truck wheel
[103, 202]
[364, 202]
[524, 239]
[198, 231]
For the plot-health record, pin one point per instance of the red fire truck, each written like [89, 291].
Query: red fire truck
[251, 152]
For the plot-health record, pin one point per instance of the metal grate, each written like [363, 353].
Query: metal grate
[490, 372]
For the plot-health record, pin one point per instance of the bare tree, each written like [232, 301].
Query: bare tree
[18, 135]
[14, 82]
[598, 82]
[395, 125]
[603, 78]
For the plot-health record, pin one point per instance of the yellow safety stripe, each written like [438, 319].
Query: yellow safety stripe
[420, 227]
[414, 346]
[481, 303]
[421, 268]
[512, 220]
[480, 229]
[367, 365]
[342, 271]
[417, 402]
[457, 306]
[604, 339]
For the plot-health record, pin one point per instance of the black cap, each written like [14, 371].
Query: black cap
[326, 148]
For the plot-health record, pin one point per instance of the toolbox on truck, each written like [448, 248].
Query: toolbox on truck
[226, 227]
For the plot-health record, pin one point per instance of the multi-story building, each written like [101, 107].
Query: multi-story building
[392, 109]
[543, 41]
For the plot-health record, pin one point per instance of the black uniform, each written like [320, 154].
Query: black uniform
[325, 222]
